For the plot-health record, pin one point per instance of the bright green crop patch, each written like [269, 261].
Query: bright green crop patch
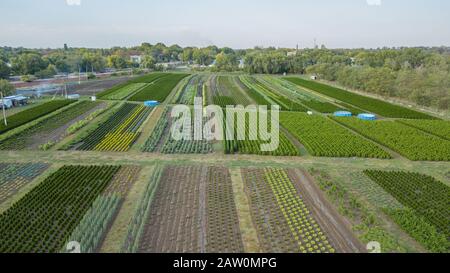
[26, 116]
[370, 104]
[428, 203]
[43, 220]
[149, 78]
[407, 141]
[439, 128]
[125, 91]
[323, 137]
[254, 138]
[159, 89]
[322, 107]
[118, 88]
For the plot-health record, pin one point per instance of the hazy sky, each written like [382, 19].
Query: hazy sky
[234, 23]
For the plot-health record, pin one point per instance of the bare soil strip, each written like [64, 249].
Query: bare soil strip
[186, 215]
[58, 134]
[271, 225]
[248, 231]
[118, 231]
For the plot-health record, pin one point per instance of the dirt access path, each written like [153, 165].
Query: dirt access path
[326, 215]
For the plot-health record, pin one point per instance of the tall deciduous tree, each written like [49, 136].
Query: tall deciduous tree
[6, 88]
[4, 70]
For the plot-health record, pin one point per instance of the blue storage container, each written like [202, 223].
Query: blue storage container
[342, 114]
[367, 116]
[151, 103]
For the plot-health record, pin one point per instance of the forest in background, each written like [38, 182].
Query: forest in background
[419, 75]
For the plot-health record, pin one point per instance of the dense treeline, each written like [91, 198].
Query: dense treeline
[42, 63]
[419, 75]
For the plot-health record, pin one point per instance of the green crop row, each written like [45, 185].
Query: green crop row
[439, 128]
[43, 219]
[303, 226]
[231, 89]
[323, 137]
[142, 79]
[426, 216]
[257, 97]
[124, 91]
[31, 114]
[137, 224]
[252, 144]
[159, 89]
[119, 132]
[370, 104]
[428, 197]
[409, 142]
[24, 138]
[90, 230]
[152, 142]
[189, 90]
[14, 176]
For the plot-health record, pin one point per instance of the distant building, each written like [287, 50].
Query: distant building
[8, 103]
[137, 59]
[16, 100]
[241, 64]
[313, 77]
[73, 96]
[292, 53]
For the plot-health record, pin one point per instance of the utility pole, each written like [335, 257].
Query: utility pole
[3, 106]
[79, 75]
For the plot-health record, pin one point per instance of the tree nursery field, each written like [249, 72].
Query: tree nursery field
[108, 175]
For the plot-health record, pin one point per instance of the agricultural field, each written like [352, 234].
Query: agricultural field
[94, 87]
[309, 101]
[31, 114]
[119, 132]
[51, 130]
[284, 220]
[125, 91]
[195, 216]
[253, 140]
[426, 216]
[161, 140]
[15, 175]
[193, 87]
[379, 107]
[41, 221]
[323, 137]
[440, 128]
[225, 91]
[119, 91]
[332, 185]
[245, 84]
[158, 89]
[285, 103]
[412, 143]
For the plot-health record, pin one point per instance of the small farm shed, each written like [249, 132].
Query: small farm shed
[367, 116]
[151, 103]
[73, 97]
[8, 103]
[17, 100]
[342, 114]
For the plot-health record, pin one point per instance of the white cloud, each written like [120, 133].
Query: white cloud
[73, 2]
[373, 2]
